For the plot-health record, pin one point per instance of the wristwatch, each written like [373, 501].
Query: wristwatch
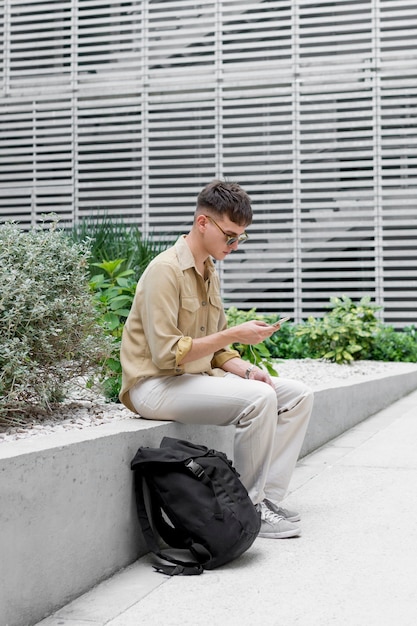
[248, 371]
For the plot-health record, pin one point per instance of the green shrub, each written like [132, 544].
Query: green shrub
[343, 335]
[49, 330]
[392, 345]
[286, 344]
[114, 291]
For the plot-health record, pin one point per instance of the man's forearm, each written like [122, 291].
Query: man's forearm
[203, 346]
[236, 366]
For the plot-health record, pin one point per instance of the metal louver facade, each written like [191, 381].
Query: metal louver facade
[127, 109]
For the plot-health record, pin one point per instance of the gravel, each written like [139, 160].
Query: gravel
[84, 408]
[319, 373]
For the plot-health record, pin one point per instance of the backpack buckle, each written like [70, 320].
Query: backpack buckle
[195, 468]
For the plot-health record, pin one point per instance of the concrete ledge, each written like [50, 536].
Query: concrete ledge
[67, 512]
[340, 407]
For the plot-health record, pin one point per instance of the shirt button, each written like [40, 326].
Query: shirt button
[202, 328]
[204, 303]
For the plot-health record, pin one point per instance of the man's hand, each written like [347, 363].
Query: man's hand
[252, 332]
[258, 374]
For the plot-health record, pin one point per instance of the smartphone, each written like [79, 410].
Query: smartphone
[281, 321]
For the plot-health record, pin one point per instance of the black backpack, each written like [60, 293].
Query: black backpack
[191, 498]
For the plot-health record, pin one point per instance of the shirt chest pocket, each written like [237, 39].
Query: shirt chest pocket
[198, 318]
[191, 316]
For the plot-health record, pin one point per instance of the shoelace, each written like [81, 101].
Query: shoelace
[269, 516]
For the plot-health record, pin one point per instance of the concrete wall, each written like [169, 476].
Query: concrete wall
[67, 509]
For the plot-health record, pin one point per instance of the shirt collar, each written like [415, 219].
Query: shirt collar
[186, 258]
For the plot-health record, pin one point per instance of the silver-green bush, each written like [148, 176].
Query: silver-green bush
[48, 324]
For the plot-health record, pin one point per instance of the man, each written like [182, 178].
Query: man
[177, 365]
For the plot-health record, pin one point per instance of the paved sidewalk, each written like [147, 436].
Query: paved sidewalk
[354, 565]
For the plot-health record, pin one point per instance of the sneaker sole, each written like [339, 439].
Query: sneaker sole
[283, 535]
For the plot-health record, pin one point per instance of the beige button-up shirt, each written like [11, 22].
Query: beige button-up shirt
[172, 306]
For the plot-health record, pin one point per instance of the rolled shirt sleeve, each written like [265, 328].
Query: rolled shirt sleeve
[222, 356]
[183, 347]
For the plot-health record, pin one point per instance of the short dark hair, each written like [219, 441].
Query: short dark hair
[222, 197]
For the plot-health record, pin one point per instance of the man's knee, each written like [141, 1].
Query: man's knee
[262, 403]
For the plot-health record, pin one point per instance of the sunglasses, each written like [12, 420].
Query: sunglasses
[230, 239]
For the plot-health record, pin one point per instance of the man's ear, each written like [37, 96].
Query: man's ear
[201, 223]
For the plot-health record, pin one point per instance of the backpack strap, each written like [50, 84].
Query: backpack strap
[198, 471]
[176, 570]
[148, 523]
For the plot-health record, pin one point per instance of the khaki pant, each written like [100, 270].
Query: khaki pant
[270, 424]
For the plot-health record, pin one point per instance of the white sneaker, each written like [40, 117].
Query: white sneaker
[274, 526]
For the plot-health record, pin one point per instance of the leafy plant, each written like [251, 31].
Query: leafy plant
[49, 329]
[109, 238]
[286, 344]
[114, 291]
[392, 345]
[344, 334]
[119, 254]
